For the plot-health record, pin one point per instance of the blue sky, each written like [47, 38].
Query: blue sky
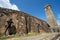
[34, 7]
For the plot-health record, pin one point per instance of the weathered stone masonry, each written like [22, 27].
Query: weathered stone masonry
[24, 23]
[50, 18]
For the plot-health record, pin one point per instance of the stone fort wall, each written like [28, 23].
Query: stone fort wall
[23, 22]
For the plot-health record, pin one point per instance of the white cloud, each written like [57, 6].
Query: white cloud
[7, 4]
[58, 21]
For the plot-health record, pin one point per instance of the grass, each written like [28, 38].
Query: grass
[2, 37]
[31, 34]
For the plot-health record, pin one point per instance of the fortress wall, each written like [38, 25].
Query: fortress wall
[23, 22]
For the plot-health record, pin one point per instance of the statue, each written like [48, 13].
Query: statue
[8, 26]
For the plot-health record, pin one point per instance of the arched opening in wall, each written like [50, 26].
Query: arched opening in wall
[12, 30]
[10, 27]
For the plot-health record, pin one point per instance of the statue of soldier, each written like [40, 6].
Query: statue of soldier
[8, 26]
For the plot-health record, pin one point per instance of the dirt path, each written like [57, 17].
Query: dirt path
[38, 37]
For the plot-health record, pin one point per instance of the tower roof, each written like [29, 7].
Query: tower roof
[46, 5]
